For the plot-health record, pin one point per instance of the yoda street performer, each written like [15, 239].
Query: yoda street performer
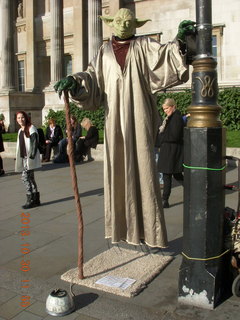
[124, 77]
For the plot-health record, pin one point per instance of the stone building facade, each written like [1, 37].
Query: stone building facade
[43, 40]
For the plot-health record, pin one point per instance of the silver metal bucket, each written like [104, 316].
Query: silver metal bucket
[59, 303]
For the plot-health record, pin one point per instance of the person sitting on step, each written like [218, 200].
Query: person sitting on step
[76, 133]
[53, 135]
[84, 143]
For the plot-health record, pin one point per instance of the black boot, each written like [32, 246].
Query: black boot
[36, 199]
[28, 204]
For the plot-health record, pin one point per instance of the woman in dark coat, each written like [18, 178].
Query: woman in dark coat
[171, 148]
[84, 143]
[2, 130]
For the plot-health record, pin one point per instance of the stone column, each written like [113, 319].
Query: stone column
[47, 5]
[94, 27]
[57, 40]
[7, 68]
[31, 58]
[80, 49]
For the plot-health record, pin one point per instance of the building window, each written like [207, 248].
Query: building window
[20, 9]
[21, 79]
[67, 65]
[214, 46]
[217, 37]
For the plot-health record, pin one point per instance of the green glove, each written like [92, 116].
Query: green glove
[186, 27]
[68, 84]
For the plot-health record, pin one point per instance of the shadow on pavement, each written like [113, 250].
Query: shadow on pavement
[84, 299]
[11, 173]
[98, 192]
[53, 166]
[176, 204]
[175, 246]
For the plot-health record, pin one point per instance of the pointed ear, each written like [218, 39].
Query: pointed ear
[107, 19]
[139, 23]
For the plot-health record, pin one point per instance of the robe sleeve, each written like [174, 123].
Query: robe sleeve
[166, 64]
[89, 92]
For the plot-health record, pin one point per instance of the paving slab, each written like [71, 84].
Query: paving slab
[11, 308]
[6, 295]
[27, 316]
[38, 309]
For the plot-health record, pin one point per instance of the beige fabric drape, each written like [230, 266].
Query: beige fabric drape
[133, 207]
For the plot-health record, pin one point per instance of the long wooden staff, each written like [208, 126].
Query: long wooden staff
[75, 186]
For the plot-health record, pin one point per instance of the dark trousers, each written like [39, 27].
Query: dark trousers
[167, 179]
[1, 163]
[63, 149]
[47, 151]
[80, 149]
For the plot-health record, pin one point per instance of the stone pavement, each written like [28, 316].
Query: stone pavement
[53, 250]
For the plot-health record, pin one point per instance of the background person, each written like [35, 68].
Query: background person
[185, 118]
[157, 153]
[62, 145]
[28, 158]
[84, 143]
[171, 148]
[53, 135]
[2, 130]
[2, 126]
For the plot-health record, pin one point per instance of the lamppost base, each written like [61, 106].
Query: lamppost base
[204, 279]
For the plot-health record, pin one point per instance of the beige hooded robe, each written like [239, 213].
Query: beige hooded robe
[133, 207]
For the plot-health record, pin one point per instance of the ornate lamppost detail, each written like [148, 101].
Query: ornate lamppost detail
[207, 90]
[204, 110]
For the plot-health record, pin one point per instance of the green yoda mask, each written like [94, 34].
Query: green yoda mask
[124, 23]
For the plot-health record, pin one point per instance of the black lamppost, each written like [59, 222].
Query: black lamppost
[203, 272]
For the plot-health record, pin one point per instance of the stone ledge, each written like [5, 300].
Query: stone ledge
[10, 151]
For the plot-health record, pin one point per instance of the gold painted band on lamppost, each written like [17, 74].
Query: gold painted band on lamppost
[204, 109]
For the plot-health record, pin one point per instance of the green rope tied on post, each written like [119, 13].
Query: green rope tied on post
[204, 168]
